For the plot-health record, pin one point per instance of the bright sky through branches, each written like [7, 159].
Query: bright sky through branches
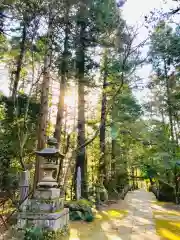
[134, 12]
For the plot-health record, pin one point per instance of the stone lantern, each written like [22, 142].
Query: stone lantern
[50, 165]
[46, 209]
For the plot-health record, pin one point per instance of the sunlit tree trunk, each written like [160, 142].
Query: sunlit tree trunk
[170, 113]
[43, 115]
[169, 104]
[113, 147]
[81, 160]
[63, 71]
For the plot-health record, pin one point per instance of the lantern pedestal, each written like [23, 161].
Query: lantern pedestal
[46, 211]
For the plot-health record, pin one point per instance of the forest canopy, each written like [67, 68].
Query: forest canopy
[71, 69]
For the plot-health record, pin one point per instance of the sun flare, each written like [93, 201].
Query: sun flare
[70, 101]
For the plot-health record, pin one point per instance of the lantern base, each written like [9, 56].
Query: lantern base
[49, 193]
[48, 184]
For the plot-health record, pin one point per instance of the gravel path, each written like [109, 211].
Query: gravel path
[138, 224]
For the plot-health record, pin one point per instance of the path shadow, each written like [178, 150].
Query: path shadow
[112, 224]
[106, 226]
[167, 229]
[171, 207]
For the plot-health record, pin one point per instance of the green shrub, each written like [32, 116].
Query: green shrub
[35, 233]
[84, 202]
[80, 210]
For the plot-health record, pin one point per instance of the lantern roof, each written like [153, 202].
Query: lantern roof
[49, 152]
[52, 141]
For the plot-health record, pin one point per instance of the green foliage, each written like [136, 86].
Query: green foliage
[84, 202]
[126, 108]
[130, 141]
[56, 235]
[149, 171]
[124, 127]
[36, 233]
[33, 234]
[163, 130]
[78, 205]
[3, 46]
[80, 210]
[11, 142]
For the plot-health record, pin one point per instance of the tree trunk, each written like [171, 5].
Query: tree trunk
[60, 113]
[102, 161]
[170, 113]
[113, 157]
[19, 61]
[63, 72]
[176, 131]
[2, 20]
[170, 110]
[113, 148]
[43, 115]
[61, 106]
[81, 160]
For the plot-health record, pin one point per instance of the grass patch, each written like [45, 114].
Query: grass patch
[168, 230]
[6, 211]
[158, 203]
[168, 212]
[97, 229]
[110, 214]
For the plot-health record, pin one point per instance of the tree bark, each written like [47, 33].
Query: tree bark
[63, 72]
[169, 104]
[113, 157]
[102, 160]
[43, 116]
[81, 160]
[113, 149]
[19, 61]
[170, 113]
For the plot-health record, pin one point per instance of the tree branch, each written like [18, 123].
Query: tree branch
[174, 11]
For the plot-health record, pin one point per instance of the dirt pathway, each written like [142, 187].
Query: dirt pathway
[131, 219]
